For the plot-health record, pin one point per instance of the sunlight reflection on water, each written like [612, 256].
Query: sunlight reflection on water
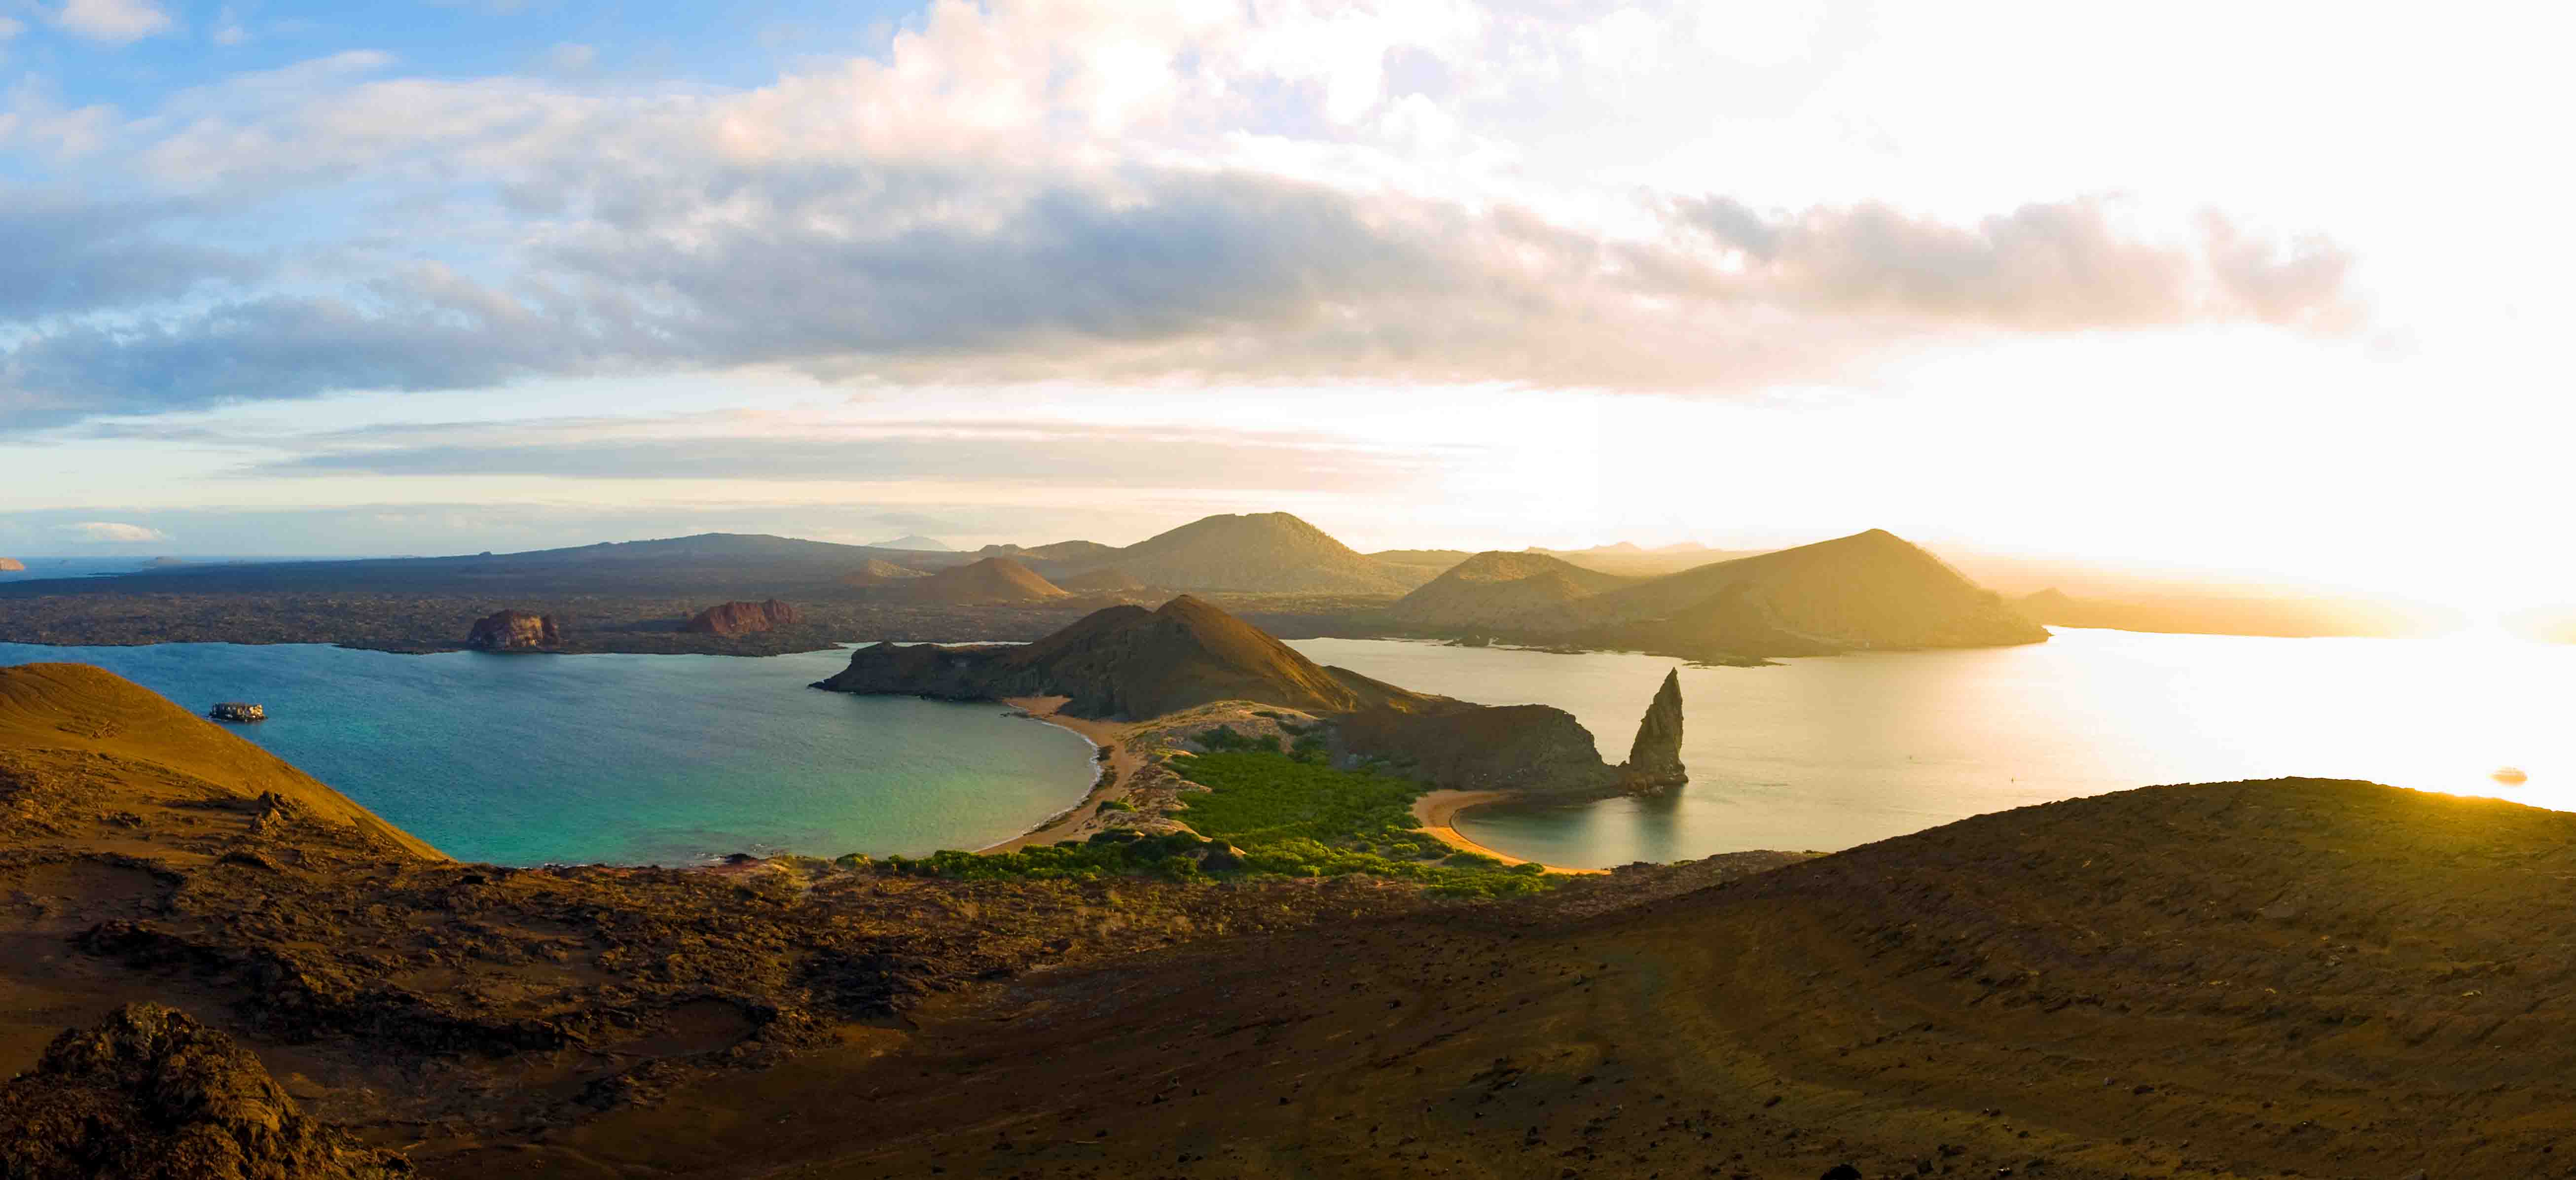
[1829, 753]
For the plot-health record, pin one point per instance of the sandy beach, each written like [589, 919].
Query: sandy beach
[1436, 810]
[1079, 821]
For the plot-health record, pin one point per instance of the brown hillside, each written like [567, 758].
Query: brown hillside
[1125, 661]
[1497, 587]
[79, 743]
[992, 580]
[2267, 979]
[1869, 590]
[1268, 552]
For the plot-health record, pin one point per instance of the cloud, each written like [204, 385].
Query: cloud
[75, 252]
[10, 27]
[110, 532]
[114, 21]
[2055, 266]
[947, 452]
[1035, 192]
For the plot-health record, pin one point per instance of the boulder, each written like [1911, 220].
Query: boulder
[742, 618]
[514, 630]
[151, 1094]
[1655, 759]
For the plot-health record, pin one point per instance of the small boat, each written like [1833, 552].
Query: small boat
[238, 711]
[2511, 776]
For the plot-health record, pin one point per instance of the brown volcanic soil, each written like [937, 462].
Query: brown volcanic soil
[994, 579]
[2294, 977]
[2246, 979]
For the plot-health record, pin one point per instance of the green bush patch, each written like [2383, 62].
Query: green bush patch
[1288, 815]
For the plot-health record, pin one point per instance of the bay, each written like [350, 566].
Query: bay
[626, 759]
[1832, 752]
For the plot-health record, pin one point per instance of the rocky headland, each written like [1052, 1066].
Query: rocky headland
[1131, 664]
[515, 630]
[11, 565]
[743, 618]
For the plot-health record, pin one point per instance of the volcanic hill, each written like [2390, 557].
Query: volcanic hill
[1271, 552]
[1867, 591]
[1126, 662]
[1497, 588]
[73, 724]
[991, 580]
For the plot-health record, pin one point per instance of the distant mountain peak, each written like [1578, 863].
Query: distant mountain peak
[1257, 552]
[916, 542]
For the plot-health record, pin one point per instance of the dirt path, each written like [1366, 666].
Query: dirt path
[1082, 819]
[1436, 810]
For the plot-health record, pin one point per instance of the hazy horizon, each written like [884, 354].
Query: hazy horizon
[2201, 297]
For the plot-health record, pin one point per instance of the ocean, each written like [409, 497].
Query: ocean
[631, 759]
[1832, 752]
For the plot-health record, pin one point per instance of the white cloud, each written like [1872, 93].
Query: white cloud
[1085, 192]
[111, 532]
[11, 27]
[114, 21]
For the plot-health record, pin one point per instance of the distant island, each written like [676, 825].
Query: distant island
[1869, 591]
[1282, 574]
[11, 565]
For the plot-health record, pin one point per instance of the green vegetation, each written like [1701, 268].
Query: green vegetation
[1283, 814]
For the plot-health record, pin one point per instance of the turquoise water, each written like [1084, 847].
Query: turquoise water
[1828, 753]
[631, 759]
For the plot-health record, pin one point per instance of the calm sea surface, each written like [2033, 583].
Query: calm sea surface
[672, 759]
[1828, 753]
[641, 759]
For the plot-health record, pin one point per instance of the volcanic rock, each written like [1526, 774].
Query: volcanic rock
[1266, 552]
[1529, 749]
[743, 618]
[1655, 760]
[151, 1094]
[993, 580]
[1125, 661]
[1871, 590]
[514, 630]
[1496, 588]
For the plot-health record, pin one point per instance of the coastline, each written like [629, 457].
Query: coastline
[1436, 811]
[1111, 779]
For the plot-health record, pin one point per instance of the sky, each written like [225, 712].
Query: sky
[2263, 290]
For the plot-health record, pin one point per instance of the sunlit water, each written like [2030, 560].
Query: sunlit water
[633, 759]
[1828, 753]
